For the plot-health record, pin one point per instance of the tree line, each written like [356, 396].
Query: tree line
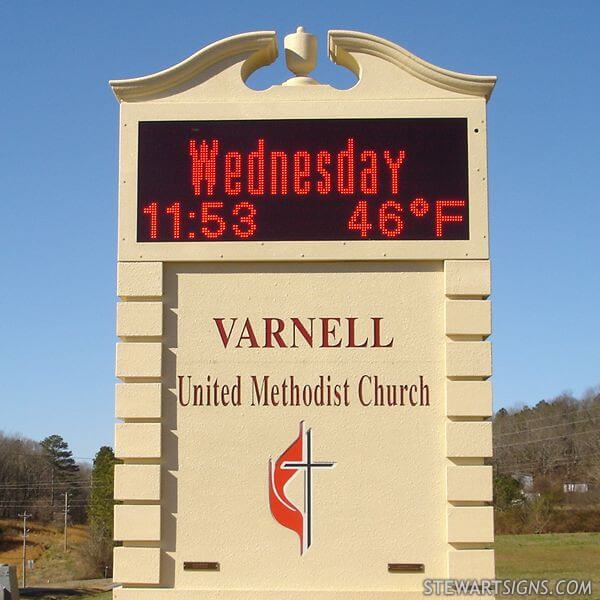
[556, 439]
[42, 478]
[542, 454]
[35, 476]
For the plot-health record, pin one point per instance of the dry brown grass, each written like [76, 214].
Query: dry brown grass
[44, 546]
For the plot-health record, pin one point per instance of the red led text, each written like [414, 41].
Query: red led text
[211, 221]
[270, 172]
[390, 220]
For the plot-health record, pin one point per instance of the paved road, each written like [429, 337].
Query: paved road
[68, 588]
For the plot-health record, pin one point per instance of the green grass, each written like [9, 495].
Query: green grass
[550, 556]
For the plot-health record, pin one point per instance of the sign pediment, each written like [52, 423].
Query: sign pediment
[384, 70]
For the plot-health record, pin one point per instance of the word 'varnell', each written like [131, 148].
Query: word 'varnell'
[348, 171]
[313, 332]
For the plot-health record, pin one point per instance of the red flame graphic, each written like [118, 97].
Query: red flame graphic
[282, 509]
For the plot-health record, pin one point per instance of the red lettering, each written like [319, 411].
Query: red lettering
[204, 165]
[419, 207]
[216, 221]
[345, 168]
[441, 218]
[377, 334]
[331, 332]
[298, 326]
[233, 170]
[359, 219]
[368, 175]
[248, 334]
[326, 333]
[152, 211]
[390, 221]
[394, 165]
[175, 210]
[352, 334]
[256, 170]
[279, 173]
[323, 160]
[247, 225]
[274, 334]
[301, 172]
[221, 329]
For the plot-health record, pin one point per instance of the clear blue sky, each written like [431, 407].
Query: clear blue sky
[58, 174]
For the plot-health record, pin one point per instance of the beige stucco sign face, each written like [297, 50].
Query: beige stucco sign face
[262, 405]
[303, 275]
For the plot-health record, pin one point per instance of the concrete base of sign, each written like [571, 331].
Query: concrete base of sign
[140, 594]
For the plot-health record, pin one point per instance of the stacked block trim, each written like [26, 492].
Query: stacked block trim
[468, 408]
[138, 439]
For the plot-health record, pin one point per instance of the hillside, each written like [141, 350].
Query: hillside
[45, 548]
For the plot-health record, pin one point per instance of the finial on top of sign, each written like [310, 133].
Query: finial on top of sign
[300, 56]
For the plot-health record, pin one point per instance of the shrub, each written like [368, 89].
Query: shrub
[97, 553]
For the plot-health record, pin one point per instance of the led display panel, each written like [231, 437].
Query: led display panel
[303, 180]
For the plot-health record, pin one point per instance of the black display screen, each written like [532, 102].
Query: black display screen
[303, 179]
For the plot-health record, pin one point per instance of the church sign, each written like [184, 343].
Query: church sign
[303, 275]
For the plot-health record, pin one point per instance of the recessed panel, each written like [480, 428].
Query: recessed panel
[311, 448]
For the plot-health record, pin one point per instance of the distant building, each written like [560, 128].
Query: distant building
[576, 488]
[525, 481]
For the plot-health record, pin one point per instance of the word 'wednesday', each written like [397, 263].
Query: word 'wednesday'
[279, 173]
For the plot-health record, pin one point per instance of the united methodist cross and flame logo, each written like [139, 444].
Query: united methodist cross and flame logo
[297, 458]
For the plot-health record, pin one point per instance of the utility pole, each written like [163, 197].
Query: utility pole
[66, 514]
[25, 516]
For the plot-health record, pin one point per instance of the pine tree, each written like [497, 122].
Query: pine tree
[59, 457]
[63, 469]
[101, 505]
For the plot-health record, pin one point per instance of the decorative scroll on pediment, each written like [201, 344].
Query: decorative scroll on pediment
[384, 70]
